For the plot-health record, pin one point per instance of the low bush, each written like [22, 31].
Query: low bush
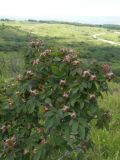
[48, 116]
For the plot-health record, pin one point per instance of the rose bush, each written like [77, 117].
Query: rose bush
[48, 117]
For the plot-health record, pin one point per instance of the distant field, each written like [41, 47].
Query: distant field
[113, 36]
[65, 35]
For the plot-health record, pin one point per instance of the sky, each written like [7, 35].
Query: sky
[58, 8]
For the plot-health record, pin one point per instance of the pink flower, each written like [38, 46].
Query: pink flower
[86, 73]
[93, 77]
[76, 62]
[47, 52]
[62, 82]
[18, 78]
[18, 93]
[46, 108]
[33, 92]
[65, 95]
[66, 109]
[43, 142]
[73, 115]
[93, 97]
[11, 142]
[36, 43]
[30, 72]
[110, 75]
[67, 58]
[106, 68]
[26, 151]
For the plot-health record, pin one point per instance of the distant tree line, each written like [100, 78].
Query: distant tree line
[6, 19]
[109, 26]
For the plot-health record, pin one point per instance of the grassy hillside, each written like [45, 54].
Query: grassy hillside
[13, 42]
[79, 37]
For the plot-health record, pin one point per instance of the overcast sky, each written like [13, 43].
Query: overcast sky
[58, 8]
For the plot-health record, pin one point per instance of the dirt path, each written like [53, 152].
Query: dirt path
[95, 36]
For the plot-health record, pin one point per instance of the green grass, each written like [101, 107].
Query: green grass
[113, 36]
[11, 63]
[107, 142]
[13, 41]
[13, 44]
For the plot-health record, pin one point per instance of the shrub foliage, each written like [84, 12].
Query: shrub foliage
[52, 104]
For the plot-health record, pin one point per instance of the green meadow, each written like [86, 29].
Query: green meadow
[56, 35]
[14, 38]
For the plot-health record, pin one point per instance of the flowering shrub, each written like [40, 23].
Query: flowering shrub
[49, 114]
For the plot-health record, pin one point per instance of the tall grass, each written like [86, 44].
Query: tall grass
[107, 142]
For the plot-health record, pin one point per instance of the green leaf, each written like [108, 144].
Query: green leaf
[57, 59]
[31, 108]
[48, 101]
[10, 158]
[38, 155]
[75, 127]
[49, 114]
[82, 132]
[50, 122]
